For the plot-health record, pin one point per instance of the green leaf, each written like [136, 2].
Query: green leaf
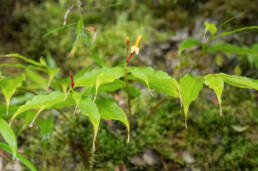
[229, 48]
[54, 30]
[40, 102]
[88, 108]
[136, 72]
[77, 98]
[64, 83]
[79, 27]
[46, 127]
[216, 84]
[189, 43]
[190, 86]
[239, 81]
[43, 62]
[82, 72]
[25, 59]
[253, 59]
[98, 77]
[29, 115]
[158, 80]
[97, 59]
[68, 101]
[8, 136]
[134, 91]
[19, 156]
[226, 33]
[111, 87]
[88, 79]
[9, 85]
[210, 27]
[11, 110]
[52, 72]
[37, 81]
[110, 110]
[107, 76]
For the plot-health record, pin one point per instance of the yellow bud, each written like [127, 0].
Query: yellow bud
[138, 41]
[127, 39]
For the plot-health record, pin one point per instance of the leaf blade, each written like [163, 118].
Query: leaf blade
[110, 110]
[9, 136]
[89, 109]
[190, 86]
[19, 156]
[217, 85]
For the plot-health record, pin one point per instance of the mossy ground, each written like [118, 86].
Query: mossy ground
[213, 142]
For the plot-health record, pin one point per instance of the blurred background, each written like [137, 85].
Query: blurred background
[35, 29]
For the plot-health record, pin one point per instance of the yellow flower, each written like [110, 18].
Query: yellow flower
[135, 49]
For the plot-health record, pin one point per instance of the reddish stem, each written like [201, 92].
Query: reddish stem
[72, 81]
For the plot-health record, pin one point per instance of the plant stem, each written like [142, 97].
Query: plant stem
[128, 95]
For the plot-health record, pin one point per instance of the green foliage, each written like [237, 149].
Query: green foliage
[213, 46]
[40, 102]
[190, 86]
[189, 43]
[8, 87]
[103, 82]
[90, 109]
[19, 156]
[9, 136]
[210, 27]
[46, 127]
[238, 81]
[109, 110]
[216, 84]
[158, 80]
[229, 48]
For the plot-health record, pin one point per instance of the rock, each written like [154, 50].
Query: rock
[120, 167]
[14, 166]
[164, 46]
[150, 157]
[1, 163]
[138, 161]
[187, 157]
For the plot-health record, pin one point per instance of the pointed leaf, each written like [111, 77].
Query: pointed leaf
[111, 87]
[24, 58]
[210, 27]
[217, 84]
[79, 27]
[189, 43]
[239, 81]
[9, 85]
[226, 33]
[83, 72]
[37, 80]
[29, 115]
[52, 73]
[140, 75]
[8, 136]
[54, 30]
[19, 156]
[229, 48]
[158, 80]
[77, 98]
[110, 110]
[46, 127]
[40, 102]
[190, 86]
[90, 109]
[98, 77]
